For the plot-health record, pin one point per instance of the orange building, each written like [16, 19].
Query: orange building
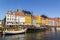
[58, 21]
[18, 13]
[47, 22]
[43, 21]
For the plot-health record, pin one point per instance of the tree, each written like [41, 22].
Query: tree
[4, 20]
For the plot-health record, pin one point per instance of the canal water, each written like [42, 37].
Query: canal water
[47, 35]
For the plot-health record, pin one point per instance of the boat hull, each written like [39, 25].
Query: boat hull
[15, 32]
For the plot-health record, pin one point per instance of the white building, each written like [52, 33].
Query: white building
[15, 18]
[10, 18]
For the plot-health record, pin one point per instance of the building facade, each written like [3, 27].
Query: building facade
[26, 18]
[18, 18]
[14, 18]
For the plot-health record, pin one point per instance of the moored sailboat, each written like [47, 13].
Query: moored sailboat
[15, 31]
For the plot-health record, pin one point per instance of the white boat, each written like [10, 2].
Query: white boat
[15, 32]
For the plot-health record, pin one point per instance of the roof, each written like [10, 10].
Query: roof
[35, 17]
[19, 13]
[9, 12]
[27, 12]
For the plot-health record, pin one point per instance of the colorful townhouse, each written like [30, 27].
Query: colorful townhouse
[38, 20]
[27, 18]
[1, 26]
[34, 20]
[18, 18]
[51, 23]
[48, 21]
[43, 21]
[57, 22]
[14, 18]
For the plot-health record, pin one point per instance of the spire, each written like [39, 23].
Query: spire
[17, 10]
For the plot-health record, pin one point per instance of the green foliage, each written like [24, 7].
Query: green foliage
[5, 20]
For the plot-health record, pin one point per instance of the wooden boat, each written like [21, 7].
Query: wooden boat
[13, 31]
[1, 28]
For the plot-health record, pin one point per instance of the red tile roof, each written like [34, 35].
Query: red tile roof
[19, 13]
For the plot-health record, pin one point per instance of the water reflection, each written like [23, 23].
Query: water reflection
[35, 36]
[12, 37]
[48, 35]
[15, 37]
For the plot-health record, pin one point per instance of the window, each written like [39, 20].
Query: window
[10, 18]
[7, 18]
[16, 17]
[12, 23]
[16, 22]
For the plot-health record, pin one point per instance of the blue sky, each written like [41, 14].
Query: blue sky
[50, 8]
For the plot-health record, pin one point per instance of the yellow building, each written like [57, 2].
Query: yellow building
[1, 24]
[38, 20]
[28, 20]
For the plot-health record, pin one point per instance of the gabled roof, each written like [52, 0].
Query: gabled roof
[19, 13]
[9, 12]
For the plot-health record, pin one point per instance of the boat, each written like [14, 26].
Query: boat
[14, 31]
[1, 28]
